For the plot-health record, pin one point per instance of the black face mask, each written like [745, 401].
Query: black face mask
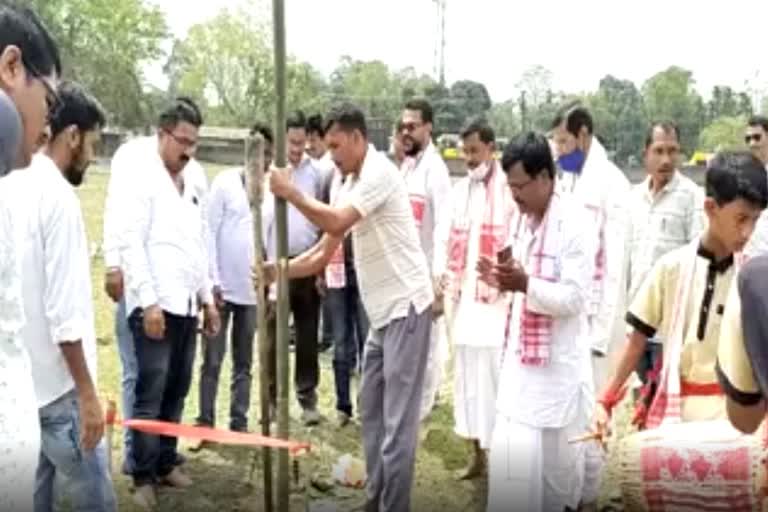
[10, 134]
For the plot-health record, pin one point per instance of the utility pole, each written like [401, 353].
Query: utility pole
[439, 63]
[281, 222]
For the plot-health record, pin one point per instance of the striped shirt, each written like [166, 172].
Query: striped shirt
[392, 271]
[661, 223]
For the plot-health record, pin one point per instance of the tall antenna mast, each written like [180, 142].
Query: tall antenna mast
[439, 62]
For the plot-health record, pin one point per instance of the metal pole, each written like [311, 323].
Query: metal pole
[281, 222]
[254, 175]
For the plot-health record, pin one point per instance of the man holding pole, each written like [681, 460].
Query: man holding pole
[396, 289]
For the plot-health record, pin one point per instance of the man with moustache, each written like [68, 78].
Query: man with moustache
[756, 137]
[29, 71]
[126, 168]
[60, 332]
[163, 255]
[667, 212]
[429, 184]
[481, 212]
[303, 294]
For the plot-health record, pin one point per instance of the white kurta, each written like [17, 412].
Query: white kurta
[19, 421]
[429, 185]
[478, 328]
[540, 407]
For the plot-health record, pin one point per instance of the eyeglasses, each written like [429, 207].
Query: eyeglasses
[757, 137]
[518, 187]
[182, 141]
[52, 98]
[409, 127]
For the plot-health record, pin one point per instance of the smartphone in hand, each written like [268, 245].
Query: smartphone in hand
[504, 255]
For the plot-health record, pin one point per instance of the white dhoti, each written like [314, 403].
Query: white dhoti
[19, 429]
[534, 469]
[476, 379]
[438, 352]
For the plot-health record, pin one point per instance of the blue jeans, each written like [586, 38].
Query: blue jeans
[350, 330]
[130, 372]
[86, 477]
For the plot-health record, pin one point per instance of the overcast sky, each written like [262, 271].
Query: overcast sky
[494, 41]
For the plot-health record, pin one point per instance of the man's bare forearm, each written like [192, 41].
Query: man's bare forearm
[318, 213]
[630, 357]
[78, 368]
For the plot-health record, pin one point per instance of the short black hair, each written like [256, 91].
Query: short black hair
[315, 125]
[347, 117]
[296, 120]
[575, 116]
[666, 126]
[424, 108]
[20, 27]
[733, 175]
[481, 127]
[532, 149]
[758, 121]
[183, 109]
[263, 130]
[78, 108]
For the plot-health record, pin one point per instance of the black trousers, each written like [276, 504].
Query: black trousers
[305, 305]
[164, 378]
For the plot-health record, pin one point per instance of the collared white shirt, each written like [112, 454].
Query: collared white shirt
[392, 270]
[302, 234]
[661, 223]
[163, 248]
[128, 163]
[429, 185]
[58, 297]
[548, 397]
[231, 247]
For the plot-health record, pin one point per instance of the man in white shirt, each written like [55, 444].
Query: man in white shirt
[429, 185]
[478, 223]
[395, 284]
[321, 160]
[164, 259]
[29, 70]
[304, 297]
[60, 331]
[602, 188]
[667, 212]
[756, 137]
[231, 257]
[128, 163]
[542, 392]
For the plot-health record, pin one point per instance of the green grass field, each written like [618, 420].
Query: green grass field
[222, 474]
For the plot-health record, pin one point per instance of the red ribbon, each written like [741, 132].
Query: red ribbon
[164, 428]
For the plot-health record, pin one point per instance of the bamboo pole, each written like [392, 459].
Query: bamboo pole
[281, 223]
[254, 176]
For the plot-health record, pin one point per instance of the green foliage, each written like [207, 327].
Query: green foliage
[726, 132]
[105, 44]
[670, 95]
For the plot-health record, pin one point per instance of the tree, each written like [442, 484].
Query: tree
[370, 84]
[105, 44]
[618, 112]
[670, 95]
[227, 65]
[537, 84]
[504, 118]
[471, 98]
[723, 133]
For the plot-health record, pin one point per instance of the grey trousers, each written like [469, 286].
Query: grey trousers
[390, 395]
[243, 319]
